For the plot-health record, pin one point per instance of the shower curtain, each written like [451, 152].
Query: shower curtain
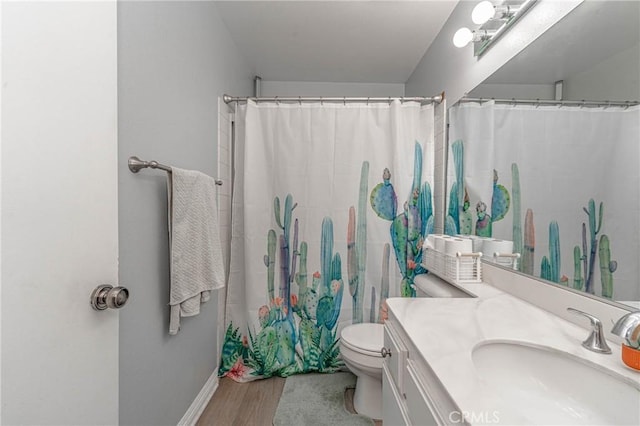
[562, 182]
[331, 203]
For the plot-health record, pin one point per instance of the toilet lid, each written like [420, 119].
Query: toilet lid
[367, 337]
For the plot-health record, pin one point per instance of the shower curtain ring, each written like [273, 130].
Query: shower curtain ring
[344, 101]
[582, 104]
[321, 101]
[368, 101]
[537, 102]
[277, 101]
[513, 102]
[389, 100]
[300, 100]
[480, 100]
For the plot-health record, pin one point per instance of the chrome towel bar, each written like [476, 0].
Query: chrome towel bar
[136, 164]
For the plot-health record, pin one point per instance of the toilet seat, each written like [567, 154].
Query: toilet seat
[365, 338]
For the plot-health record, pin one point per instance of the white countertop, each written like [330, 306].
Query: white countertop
[445, 332]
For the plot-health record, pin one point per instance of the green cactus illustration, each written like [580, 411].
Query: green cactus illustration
[550, 266]
[383, 198]
[528, 257]
[545, 269]
[518, 246]
[607, 267]
[593, 232]
[483, 224]
[578, 281]
[409, 228]
[500, 200]
[357, 245]
[466, 218]
[384, 280]
[457, 193]
[270, 262]
[372, 311]
[554, 251]
[284, 344]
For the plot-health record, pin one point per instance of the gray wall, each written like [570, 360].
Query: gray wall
[174, 60]
[614, 79]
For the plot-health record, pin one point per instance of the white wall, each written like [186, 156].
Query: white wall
[175, 60]
[456, 71]
[614, 79]
[326, 89]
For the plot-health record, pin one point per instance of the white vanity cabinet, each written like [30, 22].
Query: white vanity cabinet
[405, 388]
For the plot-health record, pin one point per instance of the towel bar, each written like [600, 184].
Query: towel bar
[136, 164]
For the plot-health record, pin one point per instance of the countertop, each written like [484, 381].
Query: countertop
[458, 325]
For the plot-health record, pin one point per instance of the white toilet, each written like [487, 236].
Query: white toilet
[360, 346]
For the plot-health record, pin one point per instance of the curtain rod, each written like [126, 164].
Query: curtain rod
[425, 100]
[514, 101]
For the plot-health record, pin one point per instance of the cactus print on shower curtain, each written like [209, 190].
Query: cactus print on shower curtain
[410, 227]
[297, 331]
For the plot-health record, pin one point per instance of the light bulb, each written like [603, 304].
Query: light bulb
[482, 12]
[462, 37]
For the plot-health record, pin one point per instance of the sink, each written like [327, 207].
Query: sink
[547, 386]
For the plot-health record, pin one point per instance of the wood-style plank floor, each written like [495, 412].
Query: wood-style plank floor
[250, 404]
[243, 404]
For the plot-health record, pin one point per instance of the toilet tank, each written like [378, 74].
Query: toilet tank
[429, 285]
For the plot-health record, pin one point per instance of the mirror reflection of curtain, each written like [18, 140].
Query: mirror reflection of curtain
[563, 157]
[302, 266]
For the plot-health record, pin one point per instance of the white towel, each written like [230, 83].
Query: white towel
[194, 242]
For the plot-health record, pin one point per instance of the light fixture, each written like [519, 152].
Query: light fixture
[464, 36]
[495, 18]
[483, 11]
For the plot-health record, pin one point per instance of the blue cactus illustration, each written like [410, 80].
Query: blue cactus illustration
[409, 228]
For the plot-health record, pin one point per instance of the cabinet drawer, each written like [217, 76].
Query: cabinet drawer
[397, 361]
[417, 399]
[394, 410]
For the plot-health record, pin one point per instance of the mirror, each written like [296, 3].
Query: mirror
[561, 180]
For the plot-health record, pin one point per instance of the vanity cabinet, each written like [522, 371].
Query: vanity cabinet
[407, 396]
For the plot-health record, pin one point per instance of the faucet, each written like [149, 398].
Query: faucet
[626, 326]
[596, 341]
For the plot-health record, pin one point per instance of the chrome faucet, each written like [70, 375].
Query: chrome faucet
[626, 325]
[596, 341]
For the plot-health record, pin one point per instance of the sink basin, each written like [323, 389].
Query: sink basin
[547, 386]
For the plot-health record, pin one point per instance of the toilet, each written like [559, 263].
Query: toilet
[360, 346]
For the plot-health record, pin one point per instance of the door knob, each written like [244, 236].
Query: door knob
[385, 352]
[107, 296]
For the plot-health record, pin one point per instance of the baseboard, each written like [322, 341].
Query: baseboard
[198, 405]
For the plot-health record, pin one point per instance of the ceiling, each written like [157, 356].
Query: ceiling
[335, 41]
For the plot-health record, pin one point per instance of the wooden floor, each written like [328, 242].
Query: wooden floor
[240, 404]
[250, 404]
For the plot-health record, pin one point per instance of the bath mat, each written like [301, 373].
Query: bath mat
[317, 399]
